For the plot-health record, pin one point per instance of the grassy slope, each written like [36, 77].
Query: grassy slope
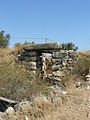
[15, 81]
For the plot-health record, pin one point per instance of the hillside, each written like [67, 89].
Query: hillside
[15, 80]
[37, 99]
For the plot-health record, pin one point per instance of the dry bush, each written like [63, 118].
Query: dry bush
[83, 66]
[16, 83]
[5, 52]
[85, 54]
[18, 49]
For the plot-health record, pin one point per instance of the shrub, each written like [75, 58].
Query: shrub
[83, 66]
[16, 83]
[28, 43]
[4, 40]
[18, 48]
[69, 46]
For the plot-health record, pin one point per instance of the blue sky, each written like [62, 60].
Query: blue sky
[58, 20]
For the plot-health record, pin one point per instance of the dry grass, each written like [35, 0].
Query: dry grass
[5, 53]
[83, 64]
[85, 54]
[18, 49]
[15, 80]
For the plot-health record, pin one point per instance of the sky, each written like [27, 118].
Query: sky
[58, 20]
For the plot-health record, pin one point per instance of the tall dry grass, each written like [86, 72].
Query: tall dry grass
[15, 80]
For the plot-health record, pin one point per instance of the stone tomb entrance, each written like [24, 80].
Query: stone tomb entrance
[36, 56]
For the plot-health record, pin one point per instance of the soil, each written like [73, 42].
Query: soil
[75, 106]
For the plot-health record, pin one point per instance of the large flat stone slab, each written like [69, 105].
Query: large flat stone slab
[42, 47]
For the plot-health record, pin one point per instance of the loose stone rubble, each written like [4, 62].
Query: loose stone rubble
[88, 76]
[61, 60]
[5, 103]
[30, 110]
[85, 83]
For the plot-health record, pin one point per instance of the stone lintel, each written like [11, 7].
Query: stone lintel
[42, 47]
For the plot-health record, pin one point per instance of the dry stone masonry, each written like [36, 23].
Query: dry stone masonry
[35, 57]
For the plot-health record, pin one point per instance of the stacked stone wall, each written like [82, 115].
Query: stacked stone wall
[61, 60]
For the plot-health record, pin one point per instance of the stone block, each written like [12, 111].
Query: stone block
[58, 74]
[87, 77]
[56, 54]
[31, 54]
[33, 68]
[32, 73]
[32, 64]
[72, 54]
[55, 67]
[64, 63]
[57, 79]
[41, 47]
[63, 54]
[28, 59]
[56, 61]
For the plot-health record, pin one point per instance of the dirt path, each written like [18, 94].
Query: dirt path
[76, 106]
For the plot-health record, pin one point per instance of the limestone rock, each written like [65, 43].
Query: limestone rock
[39, 47]
[87, 77]
[56, 79]
[56, 61]
[58, 73]
[56, 54]
[63, 54]
[28, 59]
[10, 111]
[32, 64]
[78, 84]
[30, 54]
[22, 107]
[33, 73]
[55, 67]
[72, 54]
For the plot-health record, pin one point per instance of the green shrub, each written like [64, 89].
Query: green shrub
[69, 46]
[4, 40]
